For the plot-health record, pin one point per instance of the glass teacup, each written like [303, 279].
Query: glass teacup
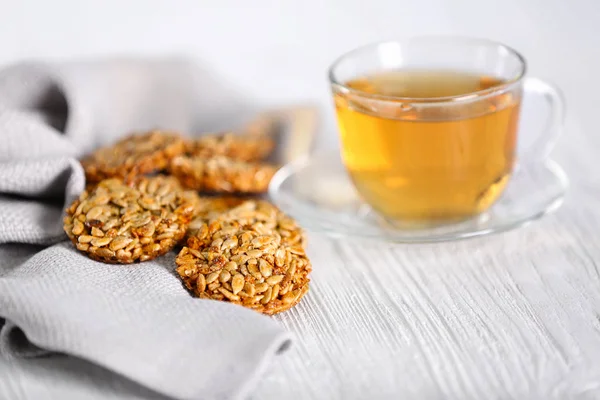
[429, 125]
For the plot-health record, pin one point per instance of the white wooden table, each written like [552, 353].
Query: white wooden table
[510, 316]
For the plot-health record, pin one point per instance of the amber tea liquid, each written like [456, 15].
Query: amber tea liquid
[421, 161]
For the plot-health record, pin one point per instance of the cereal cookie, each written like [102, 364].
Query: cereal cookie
[233, 262]
[124, 223]
[209, 208]
[261, 215]
[249, 147]
[221, 174]
[132, 156]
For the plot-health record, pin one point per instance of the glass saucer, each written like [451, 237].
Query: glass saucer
[317, 192]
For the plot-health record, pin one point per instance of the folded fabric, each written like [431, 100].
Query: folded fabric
[136, 320]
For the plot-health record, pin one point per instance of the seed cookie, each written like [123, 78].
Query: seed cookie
[231, 262]
[122, 223]
[261, 216]
[263, 125]
[221, 174]
[248, 147]
[133, 156]
[210, 208]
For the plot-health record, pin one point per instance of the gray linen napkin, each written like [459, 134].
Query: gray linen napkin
[135, 320]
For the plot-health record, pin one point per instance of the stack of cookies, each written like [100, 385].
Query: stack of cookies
[151, 193]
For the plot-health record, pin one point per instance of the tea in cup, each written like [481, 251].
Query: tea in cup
[428, 126]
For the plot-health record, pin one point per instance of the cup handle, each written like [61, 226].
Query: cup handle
[543, 144]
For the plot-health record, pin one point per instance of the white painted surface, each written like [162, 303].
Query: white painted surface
[512, 316]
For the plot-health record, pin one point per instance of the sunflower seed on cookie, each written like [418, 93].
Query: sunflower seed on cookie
[132, 156]
[231, 262]
[221, 174]
[122, 223]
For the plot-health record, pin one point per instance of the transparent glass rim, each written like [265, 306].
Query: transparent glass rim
[468, 97]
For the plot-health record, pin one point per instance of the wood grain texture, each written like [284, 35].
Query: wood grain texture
[465, 321]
